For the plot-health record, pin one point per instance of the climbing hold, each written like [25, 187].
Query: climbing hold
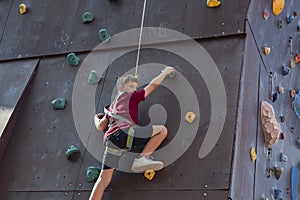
[253, 154]
[275, 96]
[282, 118]
[281, 90]
[73, 59]
[277, 193]
[267, 50]
[149, 174]
[280, 24]
[283, 157]
[278, 172]
[104, 35]
[22, 8]
[189, 117]
[59, 103]
[213, 3]
[298, 142]
[289, 19]
[282, 136]
[297, 104]
[94, 78]
[277, 6]
[266, 14]
[292, 93]
[171, 75]
[87, 17]
[72, 152]
[92, 173]
[297, 58]
[285, 70]
[270, 171]
[294, 181]
[271, 127]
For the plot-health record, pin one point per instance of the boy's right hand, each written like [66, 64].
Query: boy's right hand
[168, 70]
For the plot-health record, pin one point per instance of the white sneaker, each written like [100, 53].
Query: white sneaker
[142, 164]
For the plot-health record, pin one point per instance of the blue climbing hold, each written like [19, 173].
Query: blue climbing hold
[277, 193]
[275, 96]
[283, 158]
[104, 35]
[297, 104]
[289, 19]
[294, 181]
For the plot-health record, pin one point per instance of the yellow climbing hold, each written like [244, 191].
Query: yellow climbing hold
[253, 154]
[189, 117]
[213, 3]
[267, 50]
[278, 6]
[149, 174]
[22, 8]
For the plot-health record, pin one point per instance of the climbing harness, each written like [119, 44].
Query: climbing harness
[130, 133]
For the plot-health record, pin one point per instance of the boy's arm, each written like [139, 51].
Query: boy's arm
[100, 121]
[157, 80]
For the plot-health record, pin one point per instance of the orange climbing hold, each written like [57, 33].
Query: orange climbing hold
[213, 3]
[297, 58]
[278, 6]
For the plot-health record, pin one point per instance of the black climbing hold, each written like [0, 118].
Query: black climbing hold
[104, 35]
[280, 24]
[72, 152]
[282, 136]
[87, 17]
[59, 103]
[92, 173]
[275, 96]
[285, 71]
[282, 119]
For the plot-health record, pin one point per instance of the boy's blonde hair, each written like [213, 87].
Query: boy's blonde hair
[126, 79]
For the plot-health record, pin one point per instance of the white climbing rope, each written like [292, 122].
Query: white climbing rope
[140, 39]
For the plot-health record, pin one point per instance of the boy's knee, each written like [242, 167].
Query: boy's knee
[164, 131]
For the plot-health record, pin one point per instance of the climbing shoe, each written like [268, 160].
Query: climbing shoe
[142, 164]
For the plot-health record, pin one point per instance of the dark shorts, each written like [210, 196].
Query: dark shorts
[119, 139]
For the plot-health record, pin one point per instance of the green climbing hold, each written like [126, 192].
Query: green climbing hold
[87, 17]
[94, 78]
[59, 103]
[73, 59]
[92, 173]
[72, 152]
[104, 35]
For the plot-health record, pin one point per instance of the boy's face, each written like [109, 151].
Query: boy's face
[129, 87]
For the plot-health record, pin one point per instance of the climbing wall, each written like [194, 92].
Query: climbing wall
[35, 166]
[272, 45]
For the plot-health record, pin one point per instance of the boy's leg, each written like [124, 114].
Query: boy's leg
[101, 183]
[158, 135]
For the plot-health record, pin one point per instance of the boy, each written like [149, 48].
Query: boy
[121, 117]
